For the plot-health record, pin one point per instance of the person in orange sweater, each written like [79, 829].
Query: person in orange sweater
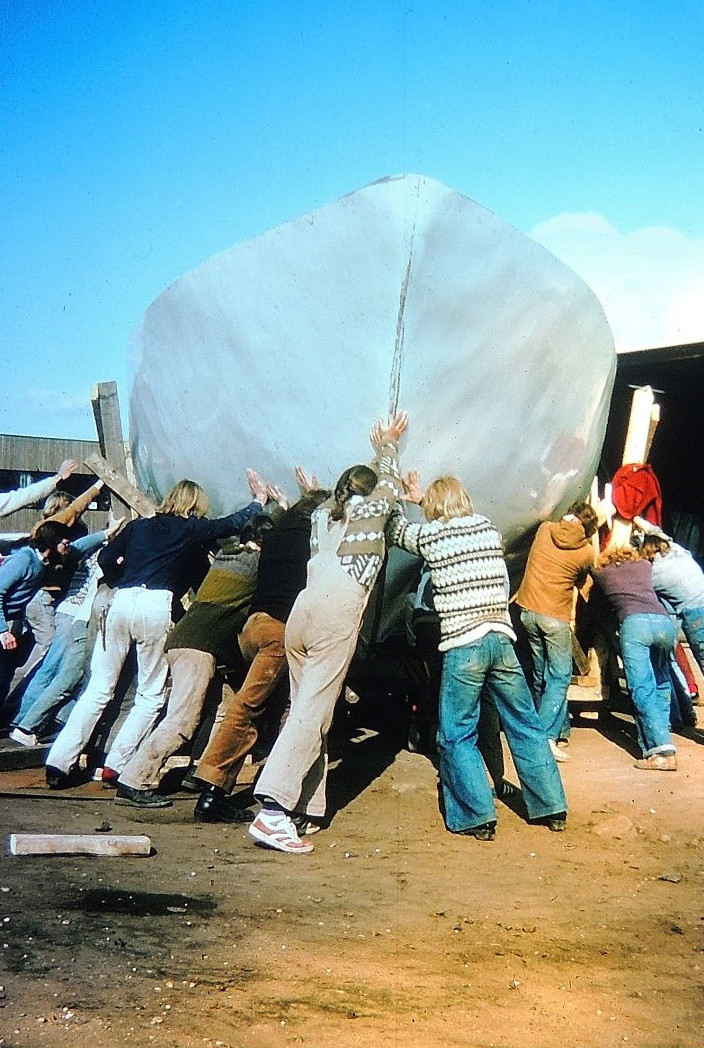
[560, 558]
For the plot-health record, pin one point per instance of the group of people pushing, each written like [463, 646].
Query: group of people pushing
[289, 596]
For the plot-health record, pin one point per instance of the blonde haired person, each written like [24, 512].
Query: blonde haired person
[445, 499]
[464, 553]
[148, 562]
[186, 499]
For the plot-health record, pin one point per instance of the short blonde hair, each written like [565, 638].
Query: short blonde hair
[446, 498]
[55, 503]
[186, 499]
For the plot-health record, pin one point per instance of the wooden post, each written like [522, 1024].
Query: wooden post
[106, 412]
[130, 496]
[634, 450]
[644, 418]
[77, 844]
[654, 420]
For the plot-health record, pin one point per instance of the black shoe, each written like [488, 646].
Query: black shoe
[190, 781]
[66, 780]
[140, 798]
[214, 805]
[56, 779]
[557, 823]
[485, 832]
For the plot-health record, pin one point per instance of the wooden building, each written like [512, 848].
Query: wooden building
[676, 376]
[26, 459]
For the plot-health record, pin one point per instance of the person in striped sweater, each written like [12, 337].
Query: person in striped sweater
[464, 552]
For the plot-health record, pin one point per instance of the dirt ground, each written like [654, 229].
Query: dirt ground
[393, 932]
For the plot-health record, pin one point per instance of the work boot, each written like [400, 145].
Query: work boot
[485, 832]
[140, 798]
[214, 805]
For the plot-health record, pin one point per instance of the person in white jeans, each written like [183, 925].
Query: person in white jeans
[152, 555]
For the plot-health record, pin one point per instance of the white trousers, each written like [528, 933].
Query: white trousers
[136, 616]
[191, 674]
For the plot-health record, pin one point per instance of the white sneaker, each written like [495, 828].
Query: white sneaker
[276, 830]
[557, 753]
[25, 738]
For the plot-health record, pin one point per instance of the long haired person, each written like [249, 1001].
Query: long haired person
[347, 552]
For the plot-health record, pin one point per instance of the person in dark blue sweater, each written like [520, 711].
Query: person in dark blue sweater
[148, 565]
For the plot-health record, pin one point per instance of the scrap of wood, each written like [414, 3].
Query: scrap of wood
[77, 844]
[119, 483]
[585, 682]
[580, 659]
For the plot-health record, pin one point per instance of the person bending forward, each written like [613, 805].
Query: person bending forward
[465, 556]
[347, 551]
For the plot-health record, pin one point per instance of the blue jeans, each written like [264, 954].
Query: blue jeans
[491, 662]
[62, 668]
[693, 628]
[551, 654]
[647, 642]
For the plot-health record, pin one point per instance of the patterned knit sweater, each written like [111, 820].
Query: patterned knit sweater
[363, 546]
[468, 569]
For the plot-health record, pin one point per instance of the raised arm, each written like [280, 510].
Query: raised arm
[70, 514]
[384, 439]
[305, 482]
[21, 497]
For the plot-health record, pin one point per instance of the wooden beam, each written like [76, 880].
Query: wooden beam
[654, 422]
[580, 659]
[77, 844]
[118, 482]
[106, 412]
[634, 449]
[642, 423]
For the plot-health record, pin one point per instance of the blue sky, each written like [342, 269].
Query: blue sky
[140, 137]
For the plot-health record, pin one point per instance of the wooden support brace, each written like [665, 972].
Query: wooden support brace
[634, 449]
[106, 412]
[643, 421]
[580, 659]
[77, 844]
[118, 482]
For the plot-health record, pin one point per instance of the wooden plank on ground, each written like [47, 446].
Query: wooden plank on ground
[77, 844]
[118, 482]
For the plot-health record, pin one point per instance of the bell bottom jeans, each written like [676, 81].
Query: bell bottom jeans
[647, 642]
[492, 662]
[551, 655]
[55, 680]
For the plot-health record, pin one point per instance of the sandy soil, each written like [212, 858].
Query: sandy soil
[393, 932]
